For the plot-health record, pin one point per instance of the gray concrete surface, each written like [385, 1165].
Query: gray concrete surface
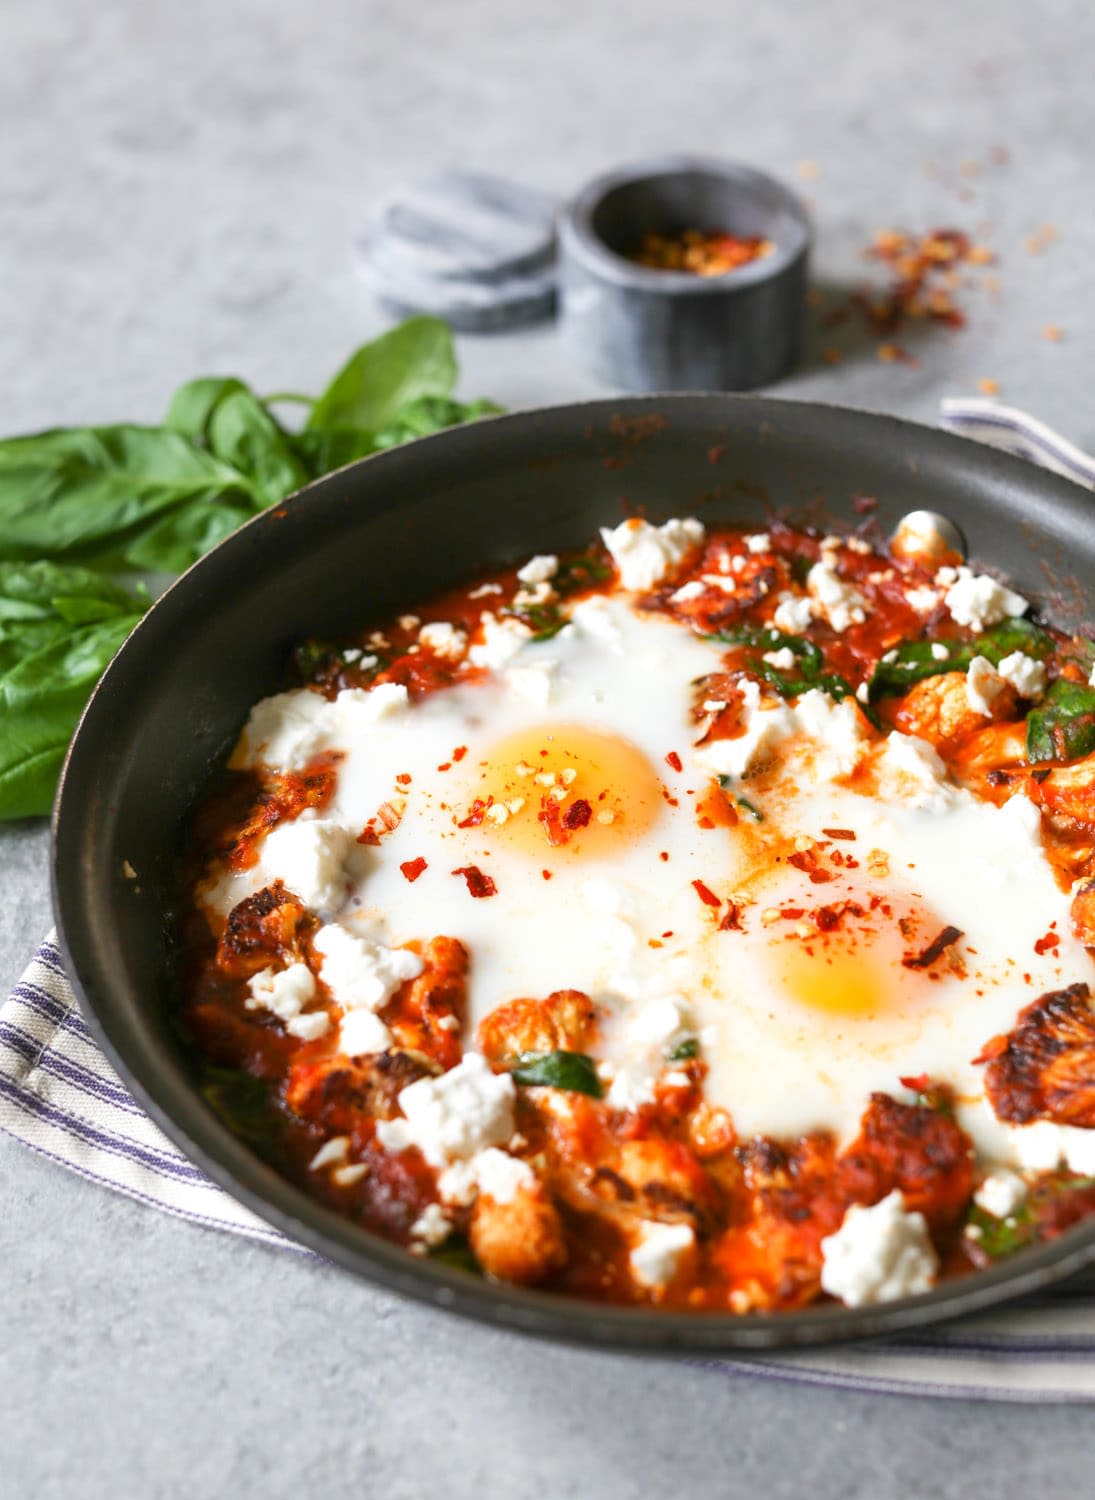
[180, 187]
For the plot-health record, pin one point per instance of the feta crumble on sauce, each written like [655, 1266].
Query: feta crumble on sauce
[704, 918]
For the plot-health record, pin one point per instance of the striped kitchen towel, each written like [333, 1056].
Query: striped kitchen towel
[59, 1095]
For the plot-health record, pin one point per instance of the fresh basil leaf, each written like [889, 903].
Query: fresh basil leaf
[544, 620]
[326, 449]
[431, 414]
[183, 535]
[244, 434]
[690, 1047]
[71, 490]
[380, 379]
[193, 404]
[914, 660]
[31, 590]
[572, 1071]
[1062, 727]
[41, 698]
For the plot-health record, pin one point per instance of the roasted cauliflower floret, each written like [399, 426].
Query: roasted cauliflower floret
[564, 1022]
[1045, 1067]
[920, 1149]
[520, 1241]
[261, 930]
[1066, 791]
[427, 1015]
[1083, 913]
[939, 710]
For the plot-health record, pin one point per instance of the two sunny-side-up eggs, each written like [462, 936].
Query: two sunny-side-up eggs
[784, 946]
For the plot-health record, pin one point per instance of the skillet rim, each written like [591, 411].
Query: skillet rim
[229, 1163]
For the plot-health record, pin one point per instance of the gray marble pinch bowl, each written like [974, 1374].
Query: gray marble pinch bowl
[644, 329]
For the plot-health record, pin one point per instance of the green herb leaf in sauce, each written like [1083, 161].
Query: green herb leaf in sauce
[689, 1048]
[243, 1102]
[1062, 727]
[916, 660]
[573, 1071]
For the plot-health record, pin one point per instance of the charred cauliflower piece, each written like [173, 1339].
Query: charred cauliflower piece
[261, 930]
[1045, 1067]
[939, 710]
[520, 1241]
[564, 1022]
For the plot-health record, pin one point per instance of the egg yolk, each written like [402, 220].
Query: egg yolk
[564, 789]
[839, 981]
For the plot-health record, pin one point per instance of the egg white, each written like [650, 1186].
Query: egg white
[628, 927]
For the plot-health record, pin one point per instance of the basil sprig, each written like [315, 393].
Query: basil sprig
[1062, 727]
[78, 505]
[914, 661]
[573, 1071]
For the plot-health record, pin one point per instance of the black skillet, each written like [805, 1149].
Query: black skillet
[374, 537]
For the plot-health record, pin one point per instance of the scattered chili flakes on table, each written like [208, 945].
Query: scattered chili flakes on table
[701, 252]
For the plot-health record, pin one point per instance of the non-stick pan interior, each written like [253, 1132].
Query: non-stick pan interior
[393, 530]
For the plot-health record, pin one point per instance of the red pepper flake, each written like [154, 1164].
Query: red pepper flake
[664, 856]
[404, 779]
[478, 884]
[668, 934]
[459, 753]
[674, 760]
[546, 874]
[918, 1083]
[705, 893]
[411, 869]
[731, 922]
[1044, 944]
[477, 813]
[445, 765]
[577, 814]
[935, 949]
[839, 833]
[369, 835]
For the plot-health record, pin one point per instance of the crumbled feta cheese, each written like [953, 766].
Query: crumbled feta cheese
[837, 730]
[983, 685]
[331, 1153]
[878, 1254]
[911, 770]
[793, 614]
[644, 554]
[841, 603]
[433, 1226]
[939, 651]
[657, 1257]
[350, 1174]
[1044, 1146]
[362, 975]
[693, 589]
[310, 856]
[286, 730]
[532, 684]
[502, 639]
[370, 705]
[484, 590]
[760, 541]
[1026, 675]
[976, 600]
[595, 617]
[455, 1116]
[444, 639]
[783, 660]
[1001, 1193]
[363, 1034]
[650, 1033]
[311, 1027]
[923, 599]
[283, 992]
[501, 1176]
[538, 569]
